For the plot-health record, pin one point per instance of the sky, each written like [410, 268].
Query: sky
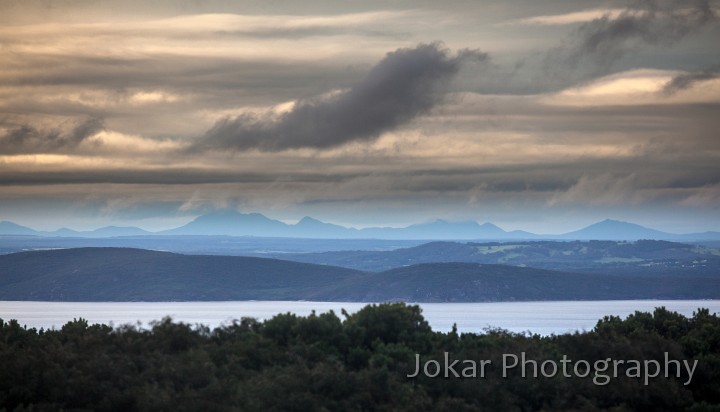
[538, 115]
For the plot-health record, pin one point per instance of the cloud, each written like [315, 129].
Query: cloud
[687, 80]
[606, 189]
[641, 87]
[567, 18]
[509, 135]
[599, 44]
[606, 39]
[596, 47]
[407, 83]
[706, 196]
[28, 139]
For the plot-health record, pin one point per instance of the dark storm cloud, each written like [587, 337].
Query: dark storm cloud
[405, 84]
[597, 45]
[687, 80]
[28, 139]
[603, 46]
[651, 22]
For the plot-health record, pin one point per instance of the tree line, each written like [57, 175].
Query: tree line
[351, 362]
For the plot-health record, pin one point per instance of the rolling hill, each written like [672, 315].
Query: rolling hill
[649, 257]
[472, 282]
[119, 274]
[123, 274]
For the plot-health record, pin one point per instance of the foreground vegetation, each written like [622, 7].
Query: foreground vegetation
[358, 363]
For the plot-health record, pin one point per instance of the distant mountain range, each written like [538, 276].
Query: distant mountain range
[232, 223]
[12, 229]
[121, 274]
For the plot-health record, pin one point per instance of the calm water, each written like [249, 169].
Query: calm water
[537, 317]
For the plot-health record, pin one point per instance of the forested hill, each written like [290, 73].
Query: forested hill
[118, 274]
[473, 282]
[124, 274]
[598, 256]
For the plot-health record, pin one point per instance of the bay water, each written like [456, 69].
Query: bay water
[543, 318]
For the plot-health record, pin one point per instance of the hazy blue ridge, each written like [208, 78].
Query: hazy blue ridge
[10, 228]
[232, 223]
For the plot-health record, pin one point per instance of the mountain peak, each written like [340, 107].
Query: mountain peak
[233, 223]
[308, 220]
[614, 222]
[610, 229]
[10, 228]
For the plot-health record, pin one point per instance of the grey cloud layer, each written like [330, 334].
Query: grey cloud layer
[596, 46]
[402, 132]
[601, 46]
[405, 84]
[687, 80]
[650, 22]
[28, 139]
